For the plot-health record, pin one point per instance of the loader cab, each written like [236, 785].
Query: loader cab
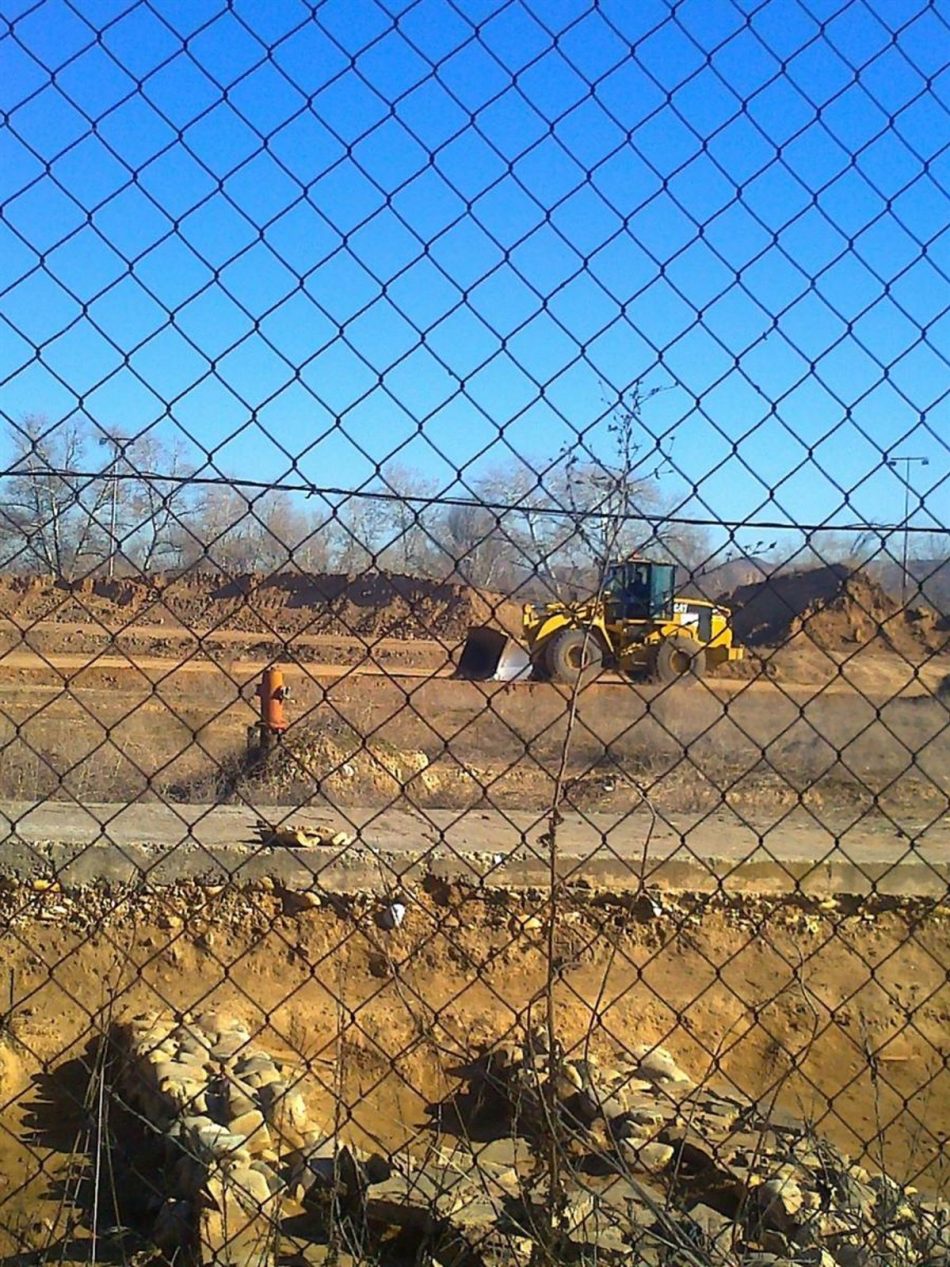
[639, 590]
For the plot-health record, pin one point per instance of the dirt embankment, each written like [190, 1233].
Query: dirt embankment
[373, 606]
[835, 610]
[833, 1009]
[799, 626]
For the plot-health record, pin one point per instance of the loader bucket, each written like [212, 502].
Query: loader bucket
[491, 656]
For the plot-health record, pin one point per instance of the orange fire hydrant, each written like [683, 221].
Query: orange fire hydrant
[272, 692]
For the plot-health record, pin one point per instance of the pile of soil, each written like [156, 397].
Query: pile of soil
[372, 606]
[835, 609]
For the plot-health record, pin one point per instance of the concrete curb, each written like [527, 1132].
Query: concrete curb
[356, 868]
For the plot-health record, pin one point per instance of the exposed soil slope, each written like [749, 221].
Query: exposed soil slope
[372, 606]
[835, 609]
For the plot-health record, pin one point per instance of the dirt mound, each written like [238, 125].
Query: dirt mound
[835, 609]
[372, 606]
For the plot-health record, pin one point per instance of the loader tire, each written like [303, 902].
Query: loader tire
[573, 655]
[679, 657]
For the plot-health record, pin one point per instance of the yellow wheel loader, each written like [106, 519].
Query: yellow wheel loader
[637, 626]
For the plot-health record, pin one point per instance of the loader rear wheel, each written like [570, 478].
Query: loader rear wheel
[679, 656]
[573, 655]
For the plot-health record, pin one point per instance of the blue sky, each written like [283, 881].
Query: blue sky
[452, 232]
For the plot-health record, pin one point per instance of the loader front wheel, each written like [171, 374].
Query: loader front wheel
[679, 657]
[573, 655]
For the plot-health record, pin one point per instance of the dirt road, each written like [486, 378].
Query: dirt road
[72, 665]
[395, 658]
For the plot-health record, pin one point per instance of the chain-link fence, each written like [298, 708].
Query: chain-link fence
[475, 595]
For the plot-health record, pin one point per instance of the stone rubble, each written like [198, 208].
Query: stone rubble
[653, 1168]
[673, 1165]
[227, 1114]
[182, 905]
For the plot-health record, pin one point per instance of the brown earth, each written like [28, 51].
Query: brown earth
[854, 728]
[832, 609]
[115, 728]
[837, 1011]
[809, 628]
[285, 604]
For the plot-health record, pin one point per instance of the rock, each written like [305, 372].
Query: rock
[850, 1254]
[645, 1117]
[228, 1235]
[326, 1168]
[852, 1193]
[610, 1106]
[229, 1044]
[629, 1127]
[251, 1127]
[624, 1202]
[826, 1225]
[511, 1152]
[239, 1103]
[258, 1080]
[897, 1248]
[296, 902]
[266, 1168]
[251, 1187]
[536, 1042]
[694, 1154]
[174, 1070]
[656, 1062]
[255, 1062]
[391, 916]
[215, 1021]
[817, 1257]
[780, 1200]
[195, 1047]
[283, 1107]
[713, 1124]
[717, 1231]
[215, 1141]
[650, 1156]
[189, 1100]
[426, 1199]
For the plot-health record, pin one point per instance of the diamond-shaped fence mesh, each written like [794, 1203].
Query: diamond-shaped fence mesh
[474, 609]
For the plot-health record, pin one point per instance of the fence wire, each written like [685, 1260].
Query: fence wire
[474, 678]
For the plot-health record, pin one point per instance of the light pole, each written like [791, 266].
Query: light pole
[893, 463]
[118, 444]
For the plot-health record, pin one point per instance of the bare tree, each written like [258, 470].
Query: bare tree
[280, 532]
[529, 535]
[612, 501]
[218, 534]
[54, 518]
[152, 512]
[472, 538]
[361, 530]
[410, 525]
[268, 531]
